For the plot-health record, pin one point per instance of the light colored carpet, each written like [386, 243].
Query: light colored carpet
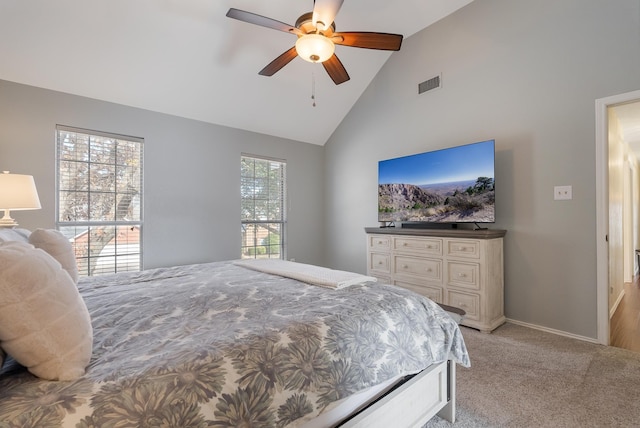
[521, 377]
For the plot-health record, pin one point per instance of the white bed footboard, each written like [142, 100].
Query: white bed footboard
[429, 393]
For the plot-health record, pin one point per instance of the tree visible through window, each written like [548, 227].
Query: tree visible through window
[99, 199]
[263, 219]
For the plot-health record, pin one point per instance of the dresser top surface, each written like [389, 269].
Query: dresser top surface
[446, 233]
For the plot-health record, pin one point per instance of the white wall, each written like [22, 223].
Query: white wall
[623, 215]
[191, 173]
[617, 206]
[527, 74]
[628, 217]
[635, 209]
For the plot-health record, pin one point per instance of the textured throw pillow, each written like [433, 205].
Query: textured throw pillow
[58, 247]
[1, 358]
[44, 323]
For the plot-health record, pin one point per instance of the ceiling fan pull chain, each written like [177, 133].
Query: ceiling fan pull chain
[313, 88]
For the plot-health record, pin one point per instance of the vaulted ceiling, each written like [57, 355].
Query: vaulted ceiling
[186, 58]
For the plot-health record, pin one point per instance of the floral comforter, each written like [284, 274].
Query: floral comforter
[219, 345]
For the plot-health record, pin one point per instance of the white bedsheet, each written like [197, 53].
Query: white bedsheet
[315, 275]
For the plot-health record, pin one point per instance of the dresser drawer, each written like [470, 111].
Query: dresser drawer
[465, 275]
[470, 303]
[426, 246]
[463, 248]
[433, 293]
[380, 242]
[427, 269]
[379, 262]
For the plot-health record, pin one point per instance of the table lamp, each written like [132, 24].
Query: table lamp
[17, 192]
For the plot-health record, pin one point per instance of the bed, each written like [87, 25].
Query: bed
[223, 344]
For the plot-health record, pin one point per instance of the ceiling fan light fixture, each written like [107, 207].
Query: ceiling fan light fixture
[315, 47]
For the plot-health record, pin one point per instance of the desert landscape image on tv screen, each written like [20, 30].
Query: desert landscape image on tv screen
[453, 185]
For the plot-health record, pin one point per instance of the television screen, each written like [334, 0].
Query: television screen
[453, 185]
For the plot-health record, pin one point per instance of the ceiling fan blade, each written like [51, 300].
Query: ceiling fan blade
[274, 66]
[262, 21]
[336, 70]
[382, 41]
[324, 12]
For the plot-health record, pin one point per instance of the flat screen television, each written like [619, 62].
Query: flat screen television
[452, 185]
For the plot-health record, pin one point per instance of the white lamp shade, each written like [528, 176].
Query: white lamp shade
[18, 192]
[315, 48]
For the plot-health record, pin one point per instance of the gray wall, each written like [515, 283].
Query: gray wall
[527, 74]
[191, 172]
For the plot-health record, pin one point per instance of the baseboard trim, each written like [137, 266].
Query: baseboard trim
[615, 305]
[554, 331]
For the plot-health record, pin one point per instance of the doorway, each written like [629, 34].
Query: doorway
[612, 170]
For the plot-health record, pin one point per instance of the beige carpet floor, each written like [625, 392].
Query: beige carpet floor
[521, 377]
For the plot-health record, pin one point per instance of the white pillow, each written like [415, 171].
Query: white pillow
[58, 247]
[44, 323]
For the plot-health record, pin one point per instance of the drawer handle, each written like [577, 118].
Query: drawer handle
[379, 242]
[462, 305]
[428, 246]
[380, 262]
[461, 275]
[404, 244]
[405, 267]
[428, 269]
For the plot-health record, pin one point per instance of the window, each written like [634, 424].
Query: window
[99, 199]
[262, 188]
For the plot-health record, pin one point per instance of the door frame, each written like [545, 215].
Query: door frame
[602, 208]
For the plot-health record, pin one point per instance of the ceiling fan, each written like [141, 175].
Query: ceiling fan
[317, 38]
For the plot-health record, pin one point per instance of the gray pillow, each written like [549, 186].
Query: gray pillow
[20, 235]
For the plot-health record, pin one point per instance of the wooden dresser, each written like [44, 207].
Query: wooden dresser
[460, 268]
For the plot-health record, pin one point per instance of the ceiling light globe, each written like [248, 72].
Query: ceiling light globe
[315, 48]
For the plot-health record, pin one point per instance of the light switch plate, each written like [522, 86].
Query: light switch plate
[561, 193]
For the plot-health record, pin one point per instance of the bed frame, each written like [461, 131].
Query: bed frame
[431, 392]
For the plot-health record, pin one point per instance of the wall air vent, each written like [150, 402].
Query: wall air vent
[428, 85]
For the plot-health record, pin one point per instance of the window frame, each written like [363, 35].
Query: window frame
[90, 224]
[282, 222]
